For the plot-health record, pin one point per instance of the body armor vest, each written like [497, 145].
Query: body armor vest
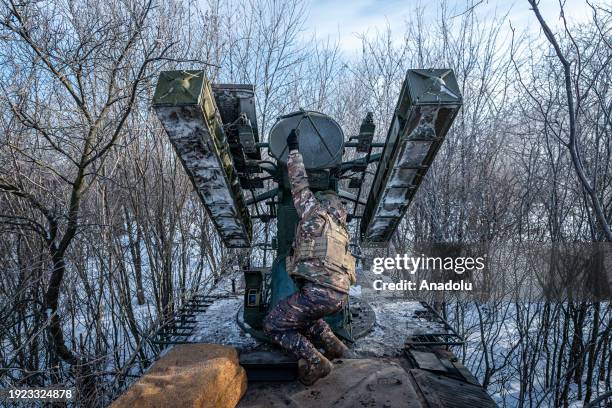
[330, 249]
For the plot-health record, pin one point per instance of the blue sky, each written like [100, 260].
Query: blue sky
[343, 18]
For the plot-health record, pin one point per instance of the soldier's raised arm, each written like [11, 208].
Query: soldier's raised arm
[303, 198]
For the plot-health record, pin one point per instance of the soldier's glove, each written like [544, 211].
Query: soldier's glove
[292, 140]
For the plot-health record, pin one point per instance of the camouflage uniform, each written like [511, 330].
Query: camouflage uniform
[299, 317]
[312, 222]
[321, 291]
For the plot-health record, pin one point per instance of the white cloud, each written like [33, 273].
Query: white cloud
[343, 20]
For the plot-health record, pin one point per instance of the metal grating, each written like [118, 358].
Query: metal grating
[180, 326]
[446, 335]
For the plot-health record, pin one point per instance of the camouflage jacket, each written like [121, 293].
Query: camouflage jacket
[312, 223]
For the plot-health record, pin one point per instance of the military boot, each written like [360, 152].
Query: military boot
[334, 348]
[312, 369]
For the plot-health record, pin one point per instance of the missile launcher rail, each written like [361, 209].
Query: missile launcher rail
[427, 105]
[184, 103]
[236, 104]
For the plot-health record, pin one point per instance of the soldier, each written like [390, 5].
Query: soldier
[322, 267]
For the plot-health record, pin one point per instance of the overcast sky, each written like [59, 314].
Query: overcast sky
[344, 18]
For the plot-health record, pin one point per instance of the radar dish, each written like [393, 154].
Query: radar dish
[321, 139]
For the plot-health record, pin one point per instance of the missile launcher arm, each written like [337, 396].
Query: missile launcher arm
[428, 103]
[185, 105]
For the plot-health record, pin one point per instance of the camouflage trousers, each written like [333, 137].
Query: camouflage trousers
[297, 319]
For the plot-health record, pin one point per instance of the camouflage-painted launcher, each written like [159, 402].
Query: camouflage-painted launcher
[185, 105]
[428, 103]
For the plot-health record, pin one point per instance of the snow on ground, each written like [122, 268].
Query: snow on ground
[218, 325]
[395, 319]
[394, 323]
[391, 329]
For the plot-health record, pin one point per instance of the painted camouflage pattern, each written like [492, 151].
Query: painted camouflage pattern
[194, 126]
[298, 319]
[311, 212]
